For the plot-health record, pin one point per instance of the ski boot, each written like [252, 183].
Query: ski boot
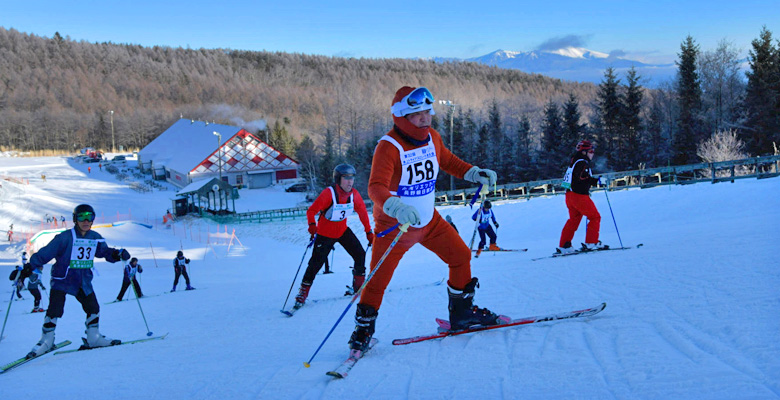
[494, 247]
[463, 312]
[47, 338]
[365, 322]
[303, 293]
[594, 246]
[174, 289]
[94, 338]
[189, 288]
[479, 251]
[565, 249]
[357, 283]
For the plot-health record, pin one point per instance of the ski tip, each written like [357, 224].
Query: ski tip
[640, 245]
[335, 374]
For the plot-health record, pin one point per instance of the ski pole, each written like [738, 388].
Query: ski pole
[311, 243]
[401, 229]
[613, 215]
[148, 332]
[153, 256]
[13, 292]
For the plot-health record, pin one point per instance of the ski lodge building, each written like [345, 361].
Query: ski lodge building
[193, 150]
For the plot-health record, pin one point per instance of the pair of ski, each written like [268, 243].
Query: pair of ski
[444, 327]
[488, 250]
[576, 252]
[23, 360]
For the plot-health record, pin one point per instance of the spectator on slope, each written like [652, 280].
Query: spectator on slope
[577, 182]
[403, 179]
[485, 214]
[75, 251]
[334, 205]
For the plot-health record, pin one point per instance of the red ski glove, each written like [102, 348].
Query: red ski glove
[313, 228]
[370, 237]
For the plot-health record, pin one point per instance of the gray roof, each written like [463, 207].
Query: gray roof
[184, 145]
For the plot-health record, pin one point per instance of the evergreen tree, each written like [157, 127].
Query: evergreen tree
[328, 160]
[496, 139]
[762, 100]
[307, 156]
[554, 159]
[572, 130]
[523, 150]
[654, 143]
[689, 99]
[610, 111]
[630, 155]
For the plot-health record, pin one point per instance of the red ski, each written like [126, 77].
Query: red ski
[444, 324]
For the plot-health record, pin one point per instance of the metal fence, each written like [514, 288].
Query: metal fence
[756, 167]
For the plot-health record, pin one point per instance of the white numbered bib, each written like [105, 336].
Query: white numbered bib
[339, 212]
[567, 177]
[485, 216]
[82, 255]
[419, 169]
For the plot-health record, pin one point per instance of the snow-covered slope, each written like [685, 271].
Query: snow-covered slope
[694, 313]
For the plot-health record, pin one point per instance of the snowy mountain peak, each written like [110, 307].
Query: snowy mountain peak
[578, 52]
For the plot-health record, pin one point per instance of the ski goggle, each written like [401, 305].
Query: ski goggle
[85, 216]
[419, 99]
[348, 177]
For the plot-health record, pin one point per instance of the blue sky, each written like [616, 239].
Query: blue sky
[645, 30]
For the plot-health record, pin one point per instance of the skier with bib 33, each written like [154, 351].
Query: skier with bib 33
[75, 251]
[334, 204]
[577, 182]
[403, 179]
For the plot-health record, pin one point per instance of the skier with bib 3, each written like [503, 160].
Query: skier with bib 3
[334, 205]
[403, 179]
[75, 251]
[577, 182]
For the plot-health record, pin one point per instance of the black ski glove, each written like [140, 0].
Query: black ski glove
[186, 260]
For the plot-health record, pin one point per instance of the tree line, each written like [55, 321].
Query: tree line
[56, 93]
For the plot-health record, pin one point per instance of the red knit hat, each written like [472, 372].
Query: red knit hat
[401, 122]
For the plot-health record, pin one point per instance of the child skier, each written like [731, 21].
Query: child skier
[334, 204]
[129, 277]
[34, 281]
[577, 182]
[403, 179]
[75, 251]
[485, 215]
[180, 268]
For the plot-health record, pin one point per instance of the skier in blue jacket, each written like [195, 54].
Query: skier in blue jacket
[74, 251]
[484, 227]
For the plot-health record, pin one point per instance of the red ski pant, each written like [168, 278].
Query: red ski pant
[579, 205]
[438, 236]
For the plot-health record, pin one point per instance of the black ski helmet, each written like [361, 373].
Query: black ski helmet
[342, 169]
[133, 259]
[486, 204]
[180, 254]
[82, 208]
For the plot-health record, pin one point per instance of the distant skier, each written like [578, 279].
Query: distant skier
[131, 269]
[16, 277]
[35, 280]
[180, 268]
[577, 182]
[449, 219]
[484, 227]
[75, 251]
[334, 205]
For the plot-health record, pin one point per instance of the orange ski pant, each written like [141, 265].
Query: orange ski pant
[438, 236]
[579, 205]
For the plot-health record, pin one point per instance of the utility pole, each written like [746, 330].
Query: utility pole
[452, 123]
[219, 152]
[113, 143]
